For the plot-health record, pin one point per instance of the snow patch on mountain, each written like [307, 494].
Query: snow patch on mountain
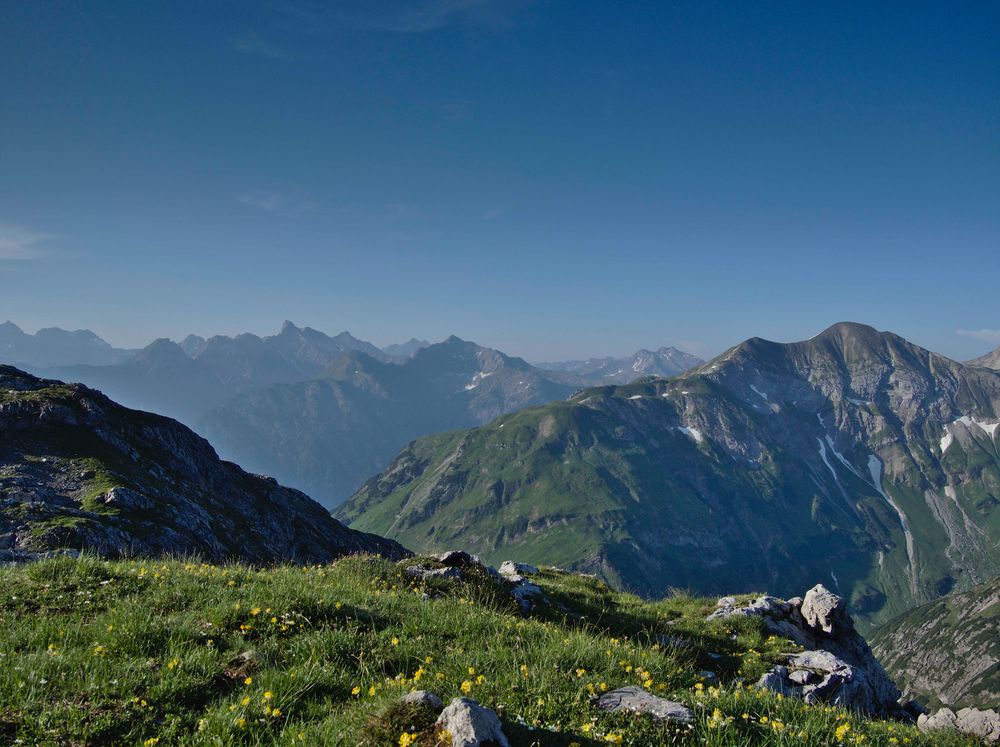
[477, 379]
[875, 468]
[694, 433]
[968, 421]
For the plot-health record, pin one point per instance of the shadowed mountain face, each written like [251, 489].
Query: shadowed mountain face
[855, 456]
[329, 434]
[666, 361]
[56, 347]
[80, 471]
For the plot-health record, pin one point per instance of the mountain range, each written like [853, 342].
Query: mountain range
[329, 434]
[186, 380]
[79, 471]
[53, 346]
[323, 413]
[667, 361]
[855, 456]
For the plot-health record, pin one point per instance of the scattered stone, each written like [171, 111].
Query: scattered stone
[838, 666]
[424, 698]
[510, 568]
[126, 498]
[416, 571]
[636, 700]
[470, 724]
[674, 641]
[972, 721]
[526, 594]
[457, 559]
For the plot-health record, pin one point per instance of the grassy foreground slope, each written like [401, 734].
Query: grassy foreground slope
[98, 652]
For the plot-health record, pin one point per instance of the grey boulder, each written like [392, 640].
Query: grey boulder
[424, 698]
[470, 724]
[636, 700]
[510, 568]
[972, 721]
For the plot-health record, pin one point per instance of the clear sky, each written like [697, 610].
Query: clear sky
[554, 178]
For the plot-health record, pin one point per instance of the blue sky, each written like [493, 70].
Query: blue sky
[553, 178]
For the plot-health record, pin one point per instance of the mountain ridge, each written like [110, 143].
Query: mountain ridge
[665, 361]
[870, 458]
[328, 434]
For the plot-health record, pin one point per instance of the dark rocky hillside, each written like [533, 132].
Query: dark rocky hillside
[79, 471]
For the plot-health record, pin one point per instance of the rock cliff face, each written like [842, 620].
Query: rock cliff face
[947, 652]
[79, 471]
[856, 457]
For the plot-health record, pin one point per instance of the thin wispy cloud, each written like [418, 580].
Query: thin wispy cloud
[407, 17]
[252, 43]
[20, 244]
[989, 335]
[275, 202]
[456, 111]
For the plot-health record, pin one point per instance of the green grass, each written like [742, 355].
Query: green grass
[131, 652]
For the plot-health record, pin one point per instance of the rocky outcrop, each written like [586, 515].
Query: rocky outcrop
[634, 699]
[450, 565]
[971, 721]
[80, 472]
[469, 724]
[837, 667]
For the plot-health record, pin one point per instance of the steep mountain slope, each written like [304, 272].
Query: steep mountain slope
[56, 347]
[667, 361]
[990, 360]
[186, 381]
[327, 435]
[80, 471]
[854, 456]
[947, 652]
